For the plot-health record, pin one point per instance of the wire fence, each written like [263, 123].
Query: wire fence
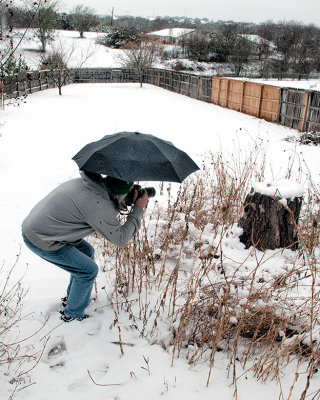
[295, 108]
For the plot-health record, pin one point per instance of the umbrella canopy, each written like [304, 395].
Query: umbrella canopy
[134, 156]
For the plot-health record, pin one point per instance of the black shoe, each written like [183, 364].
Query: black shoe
[64, 302]
[67, 318]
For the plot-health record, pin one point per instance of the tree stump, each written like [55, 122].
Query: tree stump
[270, 218]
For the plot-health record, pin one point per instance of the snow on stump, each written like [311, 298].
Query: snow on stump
[271, 214]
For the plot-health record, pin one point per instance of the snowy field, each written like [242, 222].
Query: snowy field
[37, 141]
[77, 50]
[86, 52]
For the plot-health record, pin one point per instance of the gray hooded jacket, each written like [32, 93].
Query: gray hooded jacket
[76, 209]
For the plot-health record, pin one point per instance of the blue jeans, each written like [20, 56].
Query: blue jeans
[78, 261]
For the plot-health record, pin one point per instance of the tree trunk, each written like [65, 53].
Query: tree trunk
[268, 224]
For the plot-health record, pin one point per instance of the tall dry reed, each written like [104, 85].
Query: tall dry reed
[180, 287]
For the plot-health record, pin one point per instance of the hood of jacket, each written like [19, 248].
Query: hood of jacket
[95, 183]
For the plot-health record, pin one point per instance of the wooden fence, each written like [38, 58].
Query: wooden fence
[294, 108]
[96, 75]
[261, 101]
[29, 82]
[258, 100]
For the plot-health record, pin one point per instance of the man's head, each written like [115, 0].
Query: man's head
[118, 189]
[117, 186]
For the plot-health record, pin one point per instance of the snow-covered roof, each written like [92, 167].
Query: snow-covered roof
[172, 32]
[256, 39]
[253, 38]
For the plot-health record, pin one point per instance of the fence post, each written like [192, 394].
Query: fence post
[212, 88]
[227, 97]
[158, 77]
[242, 95]
[218, 97]
[17, 86]
[200, 88]
[260, 101]
[302, 126]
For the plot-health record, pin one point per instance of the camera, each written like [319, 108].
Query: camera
[151, 192]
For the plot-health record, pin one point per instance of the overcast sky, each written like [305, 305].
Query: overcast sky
[307, 11]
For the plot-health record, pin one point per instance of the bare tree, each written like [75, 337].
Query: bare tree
[44, 22]
[139, 56]
[10, 40]
[242, 50]
[57, 62]
[84, 18]
[59, 59]
[224, 41]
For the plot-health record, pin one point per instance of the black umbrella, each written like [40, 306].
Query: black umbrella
[134, 156]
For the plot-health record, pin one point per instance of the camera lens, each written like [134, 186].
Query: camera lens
[151, 191]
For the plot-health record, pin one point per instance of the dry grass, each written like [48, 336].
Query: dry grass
[17, 356]
[181, 288]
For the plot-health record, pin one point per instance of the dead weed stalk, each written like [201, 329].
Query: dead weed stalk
[180, 275]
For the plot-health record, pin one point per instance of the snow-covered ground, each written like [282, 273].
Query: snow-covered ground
[37, 141]
[84, 52]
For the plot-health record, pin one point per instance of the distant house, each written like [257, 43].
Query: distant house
[171, 35]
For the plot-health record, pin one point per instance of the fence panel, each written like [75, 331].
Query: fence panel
[206, 89]
[292, 103]
[313, 115]
[235, 94]
[162, 78]
[168, 80]
[86, 75]
[131, 75]
[151, 76]
[215, 90]
[176, 82]
[223, 92]
[194, 86]
[269, 107]
[252, 98]
[184, 84]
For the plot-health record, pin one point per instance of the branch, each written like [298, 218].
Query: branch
[22, 37]
[101, 384]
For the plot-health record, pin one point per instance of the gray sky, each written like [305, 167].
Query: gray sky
[307, 11]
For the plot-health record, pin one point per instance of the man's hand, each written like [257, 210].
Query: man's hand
[142, 201]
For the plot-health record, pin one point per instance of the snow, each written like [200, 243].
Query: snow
[37, 140]
[82, 52]
[310, 84]
[172, 32]
[283, 188]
